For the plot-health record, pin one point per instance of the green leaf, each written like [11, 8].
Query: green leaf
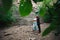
[7, 4]
[52, 27]
[42, 11]
[25, 7]
[47, 1]
[37, 1]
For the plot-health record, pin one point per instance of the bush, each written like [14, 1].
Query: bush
[6, 19]
[47, 18]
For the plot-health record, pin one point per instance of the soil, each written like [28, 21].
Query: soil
[23, 33]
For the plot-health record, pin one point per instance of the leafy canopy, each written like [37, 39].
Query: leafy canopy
[25, 7]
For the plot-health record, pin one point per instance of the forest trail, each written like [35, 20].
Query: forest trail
[22, 33]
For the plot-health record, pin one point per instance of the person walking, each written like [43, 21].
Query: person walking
[38, 23]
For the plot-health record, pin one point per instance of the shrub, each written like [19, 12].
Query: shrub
[6, 19]
[47, 18]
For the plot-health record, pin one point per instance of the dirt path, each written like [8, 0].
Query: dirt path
[21, 33]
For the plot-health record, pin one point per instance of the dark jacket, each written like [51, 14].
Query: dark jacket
[38, 21]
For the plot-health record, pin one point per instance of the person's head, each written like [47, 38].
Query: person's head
[36, 16]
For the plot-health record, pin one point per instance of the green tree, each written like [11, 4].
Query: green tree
[5, 13]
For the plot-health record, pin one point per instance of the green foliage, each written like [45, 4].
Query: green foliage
[42, 11]
[47, 18]
[47, 1]
[7, 4]
[50, 28]
[25, 7]
[37, 1]
[5, 13]
[5, 19]
[55, 25]
[57, 16]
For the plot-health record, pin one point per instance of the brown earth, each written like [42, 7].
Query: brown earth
[22, 33]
